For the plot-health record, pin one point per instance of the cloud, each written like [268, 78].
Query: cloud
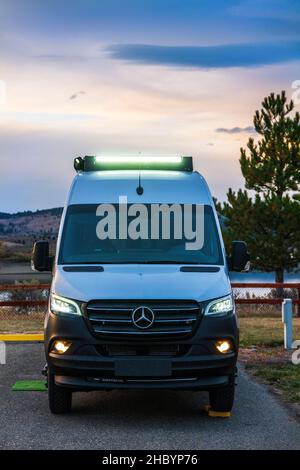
[221, 56]
[235, 130]
[75, 95]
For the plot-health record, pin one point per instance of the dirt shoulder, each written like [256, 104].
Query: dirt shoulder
[264, 357]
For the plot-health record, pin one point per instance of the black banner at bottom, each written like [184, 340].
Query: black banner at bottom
[137, 458]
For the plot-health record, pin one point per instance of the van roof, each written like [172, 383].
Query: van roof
[158, 187]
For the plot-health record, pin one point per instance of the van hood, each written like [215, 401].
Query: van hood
[140, 281]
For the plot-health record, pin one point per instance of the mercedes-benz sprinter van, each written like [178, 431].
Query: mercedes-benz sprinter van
[140, 296]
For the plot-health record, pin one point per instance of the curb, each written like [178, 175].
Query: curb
[21, 337]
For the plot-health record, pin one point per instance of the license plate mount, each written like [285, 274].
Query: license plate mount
[143, 368]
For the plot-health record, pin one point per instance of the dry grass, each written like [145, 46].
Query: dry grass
[20, 323]
[263, 354]
[14, 252]
[264, 331]
[284, 378]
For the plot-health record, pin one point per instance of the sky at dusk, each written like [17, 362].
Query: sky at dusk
[128, 76]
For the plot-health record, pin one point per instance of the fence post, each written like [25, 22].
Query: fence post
[2, 352]
[287, 319]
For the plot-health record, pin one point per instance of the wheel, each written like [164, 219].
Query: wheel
[221, 399]
[60, 398]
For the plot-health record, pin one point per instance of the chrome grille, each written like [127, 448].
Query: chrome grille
[114, 318]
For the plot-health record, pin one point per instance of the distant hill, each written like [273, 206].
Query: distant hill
[53, 211]
[30, 223]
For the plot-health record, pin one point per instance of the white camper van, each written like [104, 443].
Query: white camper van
[140, 297]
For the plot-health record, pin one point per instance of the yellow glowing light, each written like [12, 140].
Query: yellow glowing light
[223, 346]
[61, 347]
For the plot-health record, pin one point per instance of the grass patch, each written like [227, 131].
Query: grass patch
[22, 324]
[269, 361]
[14, 252]
[283, 377]
[261, 331]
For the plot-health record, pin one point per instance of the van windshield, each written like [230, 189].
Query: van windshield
[83, 240]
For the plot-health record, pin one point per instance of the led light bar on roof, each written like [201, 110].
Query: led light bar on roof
[141, 159]
[98, 163]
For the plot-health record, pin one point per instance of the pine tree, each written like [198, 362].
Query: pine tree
[270, 220]
[273, 166]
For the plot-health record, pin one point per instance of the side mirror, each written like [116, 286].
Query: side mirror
[240, 258]
[40, 259]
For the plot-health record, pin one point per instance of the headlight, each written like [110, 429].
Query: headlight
[220, 306]
[60, 305]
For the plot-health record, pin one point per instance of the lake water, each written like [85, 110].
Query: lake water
[256, 276]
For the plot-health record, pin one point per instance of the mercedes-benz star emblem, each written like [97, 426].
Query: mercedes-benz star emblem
[143, 317]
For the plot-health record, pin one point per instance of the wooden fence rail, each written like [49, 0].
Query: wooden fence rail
[235, 285]
[14, 287]
[23, 303]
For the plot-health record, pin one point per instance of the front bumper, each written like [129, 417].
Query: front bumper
[89, 384]
[86, 365]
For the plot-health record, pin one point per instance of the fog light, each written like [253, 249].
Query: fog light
[224, 346]
[61, 346]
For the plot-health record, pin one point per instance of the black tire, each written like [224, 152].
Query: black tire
[60, 398]
[221, 399]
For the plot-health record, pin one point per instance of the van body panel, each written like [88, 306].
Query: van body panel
[141, 282]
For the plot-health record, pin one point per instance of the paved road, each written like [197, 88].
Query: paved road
[136, 420]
